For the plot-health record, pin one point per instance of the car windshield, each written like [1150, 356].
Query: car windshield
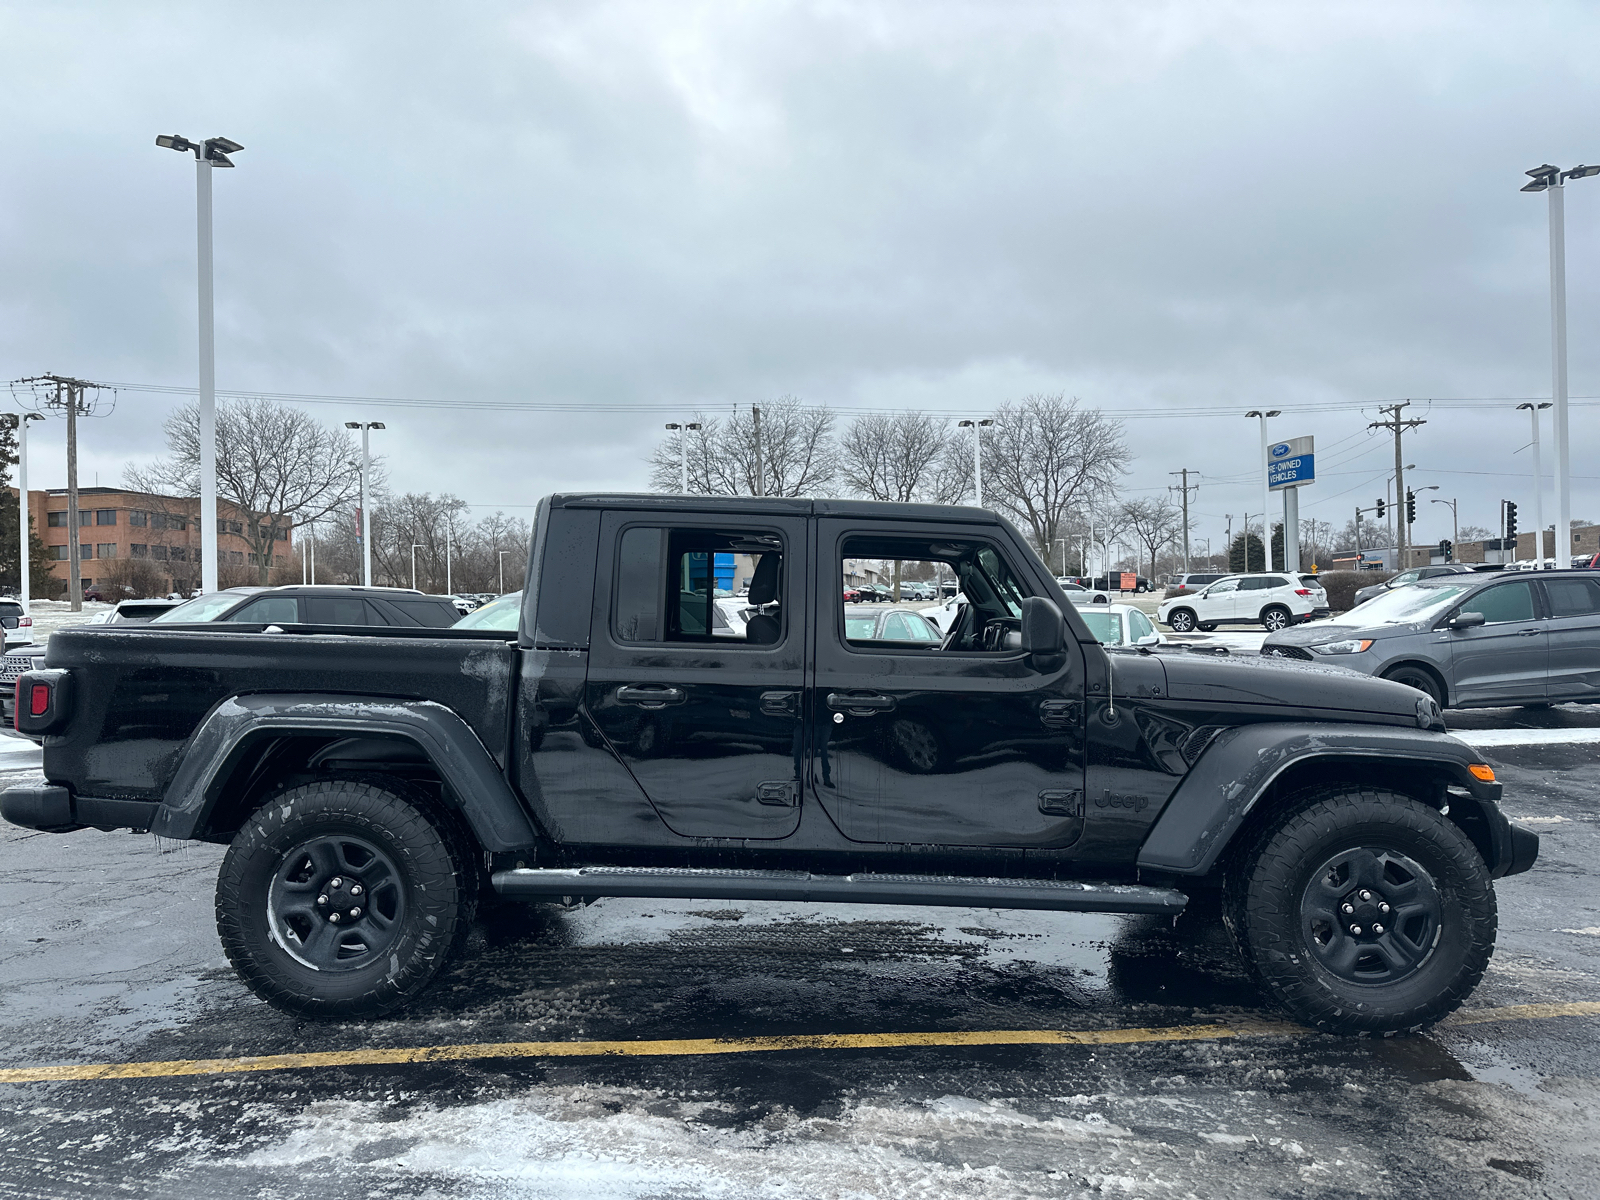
[201, 608]
[501, 615]
[1405, 604]
[1106, 626]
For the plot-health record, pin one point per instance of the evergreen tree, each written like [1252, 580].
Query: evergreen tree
[1237, 560]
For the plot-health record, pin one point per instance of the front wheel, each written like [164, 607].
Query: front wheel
[1181, 620]
[344, 897]
[1365, 912]
[1277, 618]
[1422, 680]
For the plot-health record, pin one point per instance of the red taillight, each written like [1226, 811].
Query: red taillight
[1302, 592]
[39, 700]
[24, 622]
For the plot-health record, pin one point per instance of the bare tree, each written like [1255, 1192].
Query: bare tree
[905, 456]
[797, 455]
[1153, 521]
[1046, 457]
[278, 466]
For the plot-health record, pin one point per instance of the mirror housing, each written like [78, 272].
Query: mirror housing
[1044, 630]
[1149, 639]
[1466, 620]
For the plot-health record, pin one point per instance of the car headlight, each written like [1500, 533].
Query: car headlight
[1348, 646]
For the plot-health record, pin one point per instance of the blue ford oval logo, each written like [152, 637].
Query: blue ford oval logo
[1280, 450]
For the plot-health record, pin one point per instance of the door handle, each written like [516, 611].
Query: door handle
[859, 703]
[649, 695]
[778, 704]
[1529, 632]
[778, 793]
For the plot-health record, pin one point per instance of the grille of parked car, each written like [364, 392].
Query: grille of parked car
[13, 666]
[1288, 652]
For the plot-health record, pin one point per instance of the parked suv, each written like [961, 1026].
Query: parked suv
[1470, 640]
[1274, 601]
[1187, 585]
[16, 622]
[315, 605]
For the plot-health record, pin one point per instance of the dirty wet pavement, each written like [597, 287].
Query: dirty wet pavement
[108, 955]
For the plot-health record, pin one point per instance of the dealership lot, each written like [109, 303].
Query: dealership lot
[999, 1053]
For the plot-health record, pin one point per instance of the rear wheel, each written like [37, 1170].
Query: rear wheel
[1276, 617]
[1364, 912]
[344, 897]
[1181, 620]
[1420, 678]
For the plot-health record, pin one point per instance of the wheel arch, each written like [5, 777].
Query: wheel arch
[1247, 776]
[250, 745]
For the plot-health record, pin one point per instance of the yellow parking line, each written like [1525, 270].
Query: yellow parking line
[694, 1047]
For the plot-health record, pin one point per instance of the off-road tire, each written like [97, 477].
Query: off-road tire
[1419, 678]
[1181, 620]
[435, 878]
[1278, 870]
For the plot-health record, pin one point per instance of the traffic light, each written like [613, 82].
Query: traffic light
[1447, 550]
[1382, 508]
[1511, 519]
[1411, 507]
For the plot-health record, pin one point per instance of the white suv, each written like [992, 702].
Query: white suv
[1274, 601]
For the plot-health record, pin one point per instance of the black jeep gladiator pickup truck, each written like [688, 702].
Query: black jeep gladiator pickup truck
[645, 733]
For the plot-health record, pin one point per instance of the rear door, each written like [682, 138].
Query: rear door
[1504, 660]
[1573, 603]
[706, 716]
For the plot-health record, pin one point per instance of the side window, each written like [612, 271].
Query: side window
[269, 610]
[676, 585]
[907, 568]
[339, 610]
[1503, 602]
[1226, 585]
[1572, 597]
[898, 628]
[1140, 624]
[1403, 578]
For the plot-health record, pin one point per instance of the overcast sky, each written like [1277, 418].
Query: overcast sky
[635, 210]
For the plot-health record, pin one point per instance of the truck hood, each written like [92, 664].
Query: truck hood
[1289, 686]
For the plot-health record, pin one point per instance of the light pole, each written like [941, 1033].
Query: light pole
[22, 500]
[1553, 180]
[213, 152]
[1266, 497]
[1538, 484]
[502, 565]
[977, 456]
[414, 546]
[366, 428]
[1455, 517]
[683, 452]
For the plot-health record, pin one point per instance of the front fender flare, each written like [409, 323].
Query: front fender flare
[487, 802]
[1204, 812]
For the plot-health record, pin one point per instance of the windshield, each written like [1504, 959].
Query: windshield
[1106, 627]
[500, 615]
[201, 608]
[1405, 604]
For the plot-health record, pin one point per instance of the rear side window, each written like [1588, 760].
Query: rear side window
[340, 610]
[1572, 597]
[677, 585]
[430, 614]
[269, 610]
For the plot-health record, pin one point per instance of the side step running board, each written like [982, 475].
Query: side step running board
[684, 883]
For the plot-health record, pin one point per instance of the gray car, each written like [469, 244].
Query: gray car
[1469, 640]
[1414, 575]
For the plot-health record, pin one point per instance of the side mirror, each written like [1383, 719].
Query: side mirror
[1149, 639]
[1043, 628]
[1465, 620]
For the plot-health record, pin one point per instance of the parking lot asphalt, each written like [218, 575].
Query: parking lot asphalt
[767, 1050]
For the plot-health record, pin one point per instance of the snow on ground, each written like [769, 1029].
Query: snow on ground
[51, 615]
[1485, 738]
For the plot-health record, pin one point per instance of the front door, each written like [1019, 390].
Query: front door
[965, 743]
[695, 689]
[1219, 602]
[1505, 659]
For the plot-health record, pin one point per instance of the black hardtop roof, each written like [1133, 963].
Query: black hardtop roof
[776, 506]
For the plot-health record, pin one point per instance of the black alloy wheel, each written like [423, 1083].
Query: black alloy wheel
[1363, 911]
[345, 897]
[1276, 618]
[1420, 678]
[1181, 620]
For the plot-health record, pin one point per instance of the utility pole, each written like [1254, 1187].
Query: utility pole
[1398, 426]
[67, 394]
[761, 481]
[1185, 489]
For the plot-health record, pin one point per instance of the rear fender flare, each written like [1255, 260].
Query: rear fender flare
[228, 733]
[1240, 766]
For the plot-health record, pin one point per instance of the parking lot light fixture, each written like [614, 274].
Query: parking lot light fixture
[366, 512]
[977, 426]
[683, 452]
[502, 566]
[1266, 494]
[213, 152]
[1538, 483]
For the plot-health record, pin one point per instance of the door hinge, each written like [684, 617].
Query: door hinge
[780, 793]
[1061, 714]
[1061, 803]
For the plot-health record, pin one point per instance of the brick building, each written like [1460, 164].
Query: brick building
[116, 525]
